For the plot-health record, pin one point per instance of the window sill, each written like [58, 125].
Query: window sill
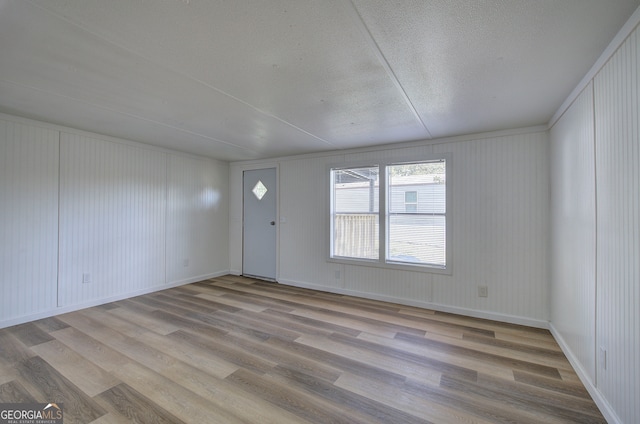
[399, 266]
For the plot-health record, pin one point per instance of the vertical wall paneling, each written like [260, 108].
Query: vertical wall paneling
[573, 231]
[197, 217]
[235, 219]
[301, 180]
[499, 216]
[617, 115]
[112, 219]
[499, 209]
[88, 219]
[28, 219]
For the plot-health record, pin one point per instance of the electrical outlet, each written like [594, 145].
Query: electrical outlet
[603, 358]
[185, 263]
[483, 291]
[86, 278]
[336, 274]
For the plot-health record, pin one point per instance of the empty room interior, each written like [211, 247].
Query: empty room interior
[304, 211]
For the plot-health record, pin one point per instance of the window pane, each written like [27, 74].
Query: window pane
[355, 212]
[356, 236]
[356, 190]
[416, 220]
[417, 239]
[425, 181]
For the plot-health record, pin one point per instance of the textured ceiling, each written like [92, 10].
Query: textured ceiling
[249, 79]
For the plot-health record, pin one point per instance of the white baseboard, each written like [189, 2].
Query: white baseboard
[495, 316]
[95, 302]
[196, 279]
[601, 401]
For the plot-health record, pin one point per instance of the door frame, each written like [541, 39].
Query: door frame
[240, 187]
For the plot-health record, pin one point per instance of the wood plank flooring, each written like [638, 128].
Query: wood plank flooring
[238, 350]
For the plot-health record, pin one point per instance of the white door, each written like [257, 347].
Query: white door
[259, 224]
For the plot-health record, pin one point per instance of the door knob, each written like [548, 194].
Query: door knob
[273, 223]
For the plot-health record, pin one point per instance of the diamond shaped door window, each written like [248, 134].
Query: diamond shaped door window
[259, 190]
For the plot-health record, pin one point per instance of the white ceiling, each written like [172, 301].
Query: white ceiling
[247, 79]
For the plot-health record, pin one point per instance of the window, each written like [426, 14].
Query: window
[355, 208]
[411, 201]
[391, 214]
[416, 234]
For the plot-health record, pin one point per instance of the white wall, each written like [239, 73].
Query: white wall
[596, 233]
[112, 218]
[499, 220]
[134, 217]
[28, 219]
[573, 231]
[197, 218]
[617, 115]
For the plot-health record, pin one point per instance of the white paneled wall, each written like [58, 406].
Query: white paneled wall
[595, 300]
[499, 219]
[573, 235]
[197, 217]
[306, 220]
[124, 215]
[112, 218]
[500, 224]
[617, 116]
[28, 219]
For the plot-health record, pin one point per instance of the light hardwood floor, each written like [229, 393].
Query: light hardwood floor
[234, 349]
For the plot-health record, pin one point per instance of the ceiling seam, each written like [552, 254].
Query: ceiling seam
[192, 78]
[131, 115]
[357, 17]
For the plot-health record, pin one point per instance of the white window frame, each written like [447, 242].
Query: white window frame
[331, 212]
[383, 213]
